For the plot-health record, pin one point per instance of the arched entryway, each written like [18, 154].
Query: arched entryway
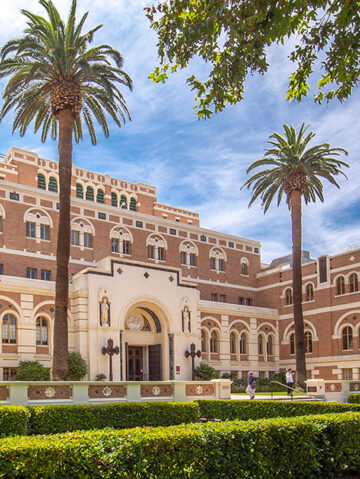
[146, 344]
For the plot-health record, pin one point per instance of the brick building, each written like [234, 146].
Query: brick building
[146, 275]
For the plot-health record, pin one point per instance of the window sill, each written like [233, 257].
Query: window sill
[345, 294]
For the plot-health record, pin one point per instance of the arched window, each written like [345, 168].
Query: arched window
[37, 224]
[288, 296]
[41, 181]
[188, 253]
[79, 190]
[203, 341]
[309, 292]
[114, 199]
[123, 202]
[213, 342]
[243, 343]
[260, 345]
[217, 259]
[53, 184]
[308, 342]
[354, 283]
[232, 342]
[89, 193]
[41, 331]
[347, 338]
[270, 346]
[340, 285]
[132, 204]
[100, 196]
[121, 240]
[156, 246]
[8, 329]
[244, 267]
[292, 343]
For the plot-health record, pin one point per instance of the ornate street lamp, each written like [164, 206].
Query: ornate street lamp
[110, 350]
[192, 353]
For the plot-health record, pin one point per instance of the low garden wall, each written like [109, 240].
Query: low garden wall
[332, 390]
[95, 392]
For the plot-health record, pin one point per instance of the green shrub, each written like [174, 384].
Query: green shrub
[51, 419]
[32, 371]
[13, 420]
[304, 447]
[226, 410]
[77, 366]
[205, 372]
[354, 398]
[100, 377]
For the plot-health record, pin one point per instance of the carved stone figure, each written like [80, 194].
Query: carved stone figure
[105, 312]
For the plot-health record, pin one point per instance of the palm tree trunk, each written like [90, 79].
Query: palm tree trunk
[60, 364]
[297, 288]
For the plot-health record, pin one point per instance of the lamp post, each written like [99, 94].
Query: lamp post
[192, 353]
[110, 350]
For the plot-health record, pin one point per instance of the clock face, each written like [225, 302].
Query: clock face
[135, 322]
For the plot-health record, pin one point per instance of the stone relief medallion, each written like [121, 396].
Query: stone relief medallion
[156, 390]
[356, 387]
[333, 387]
[199, 390]
[49, 392]
[107, 391]
[135, 322]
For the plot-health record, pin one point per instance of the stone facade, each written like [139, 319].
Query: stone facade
[150, 278]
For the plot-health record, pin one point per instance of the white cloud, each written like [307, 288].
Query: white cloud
[201, 165]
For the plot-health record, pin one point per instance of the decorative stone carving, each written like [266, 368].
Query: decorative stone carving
[156, 390]
[135, 322]
[163, 390]
[107, 391]
[49, 392]
[200, 390]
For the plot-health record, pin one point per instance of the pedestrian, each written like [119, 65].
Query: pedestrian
[251, 385]
[289, 381]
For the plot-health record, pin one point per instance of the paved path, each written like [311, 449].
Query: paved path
[266, 396]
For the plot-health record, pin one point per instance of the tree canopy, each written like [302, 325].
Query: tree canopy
[233, 37]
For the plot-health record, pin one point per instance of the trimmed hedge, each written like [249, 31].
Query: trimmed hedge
[245, 410]
[13, 420]
[303, 447]
[354, 398]
[56, 419]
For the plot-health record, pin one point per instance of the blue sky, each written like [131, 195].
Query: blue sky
[200, 165]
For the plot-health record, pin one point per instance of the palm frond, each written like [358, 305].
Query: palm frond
[50, 52]
[289, 156]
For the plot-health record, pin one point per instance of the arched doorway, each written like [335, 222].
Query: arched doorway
[145, 343]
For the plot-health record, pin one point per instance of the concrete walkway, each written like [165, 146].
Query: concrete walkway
[268, 397]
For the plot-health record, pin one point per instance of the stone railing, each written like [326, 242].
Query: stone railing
[332, 390]
[94, 392]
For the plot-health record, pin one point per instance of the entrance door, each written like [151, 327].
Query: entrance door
[135, 363]
[155, 362]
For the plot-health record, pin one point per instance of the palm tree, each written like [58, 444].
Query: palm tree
[58, 82]
[292, 169]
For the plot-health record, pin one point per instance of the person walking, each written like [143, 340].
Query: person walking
[289, 381]
[251, 388]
